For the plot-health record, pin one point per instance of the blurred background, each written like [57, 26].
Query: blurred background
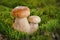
[48, 10]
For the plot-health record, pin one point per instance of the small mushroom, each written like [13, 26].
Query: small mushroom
[34, 20]
[21, 23]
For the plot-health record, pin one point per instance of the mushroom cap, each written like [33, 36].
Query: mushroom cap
[34, 19]
[21, 11]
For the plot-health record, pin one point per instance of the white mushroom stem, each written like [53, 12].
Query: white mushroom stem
[33, 27]
[21, 24]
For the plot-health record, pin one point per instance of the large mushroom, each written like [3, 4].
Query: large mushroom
[34, 20]
[21, 23]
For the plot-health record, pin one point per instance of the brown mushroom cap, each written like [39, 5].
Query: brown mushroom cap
[34, 19]
[21, 11]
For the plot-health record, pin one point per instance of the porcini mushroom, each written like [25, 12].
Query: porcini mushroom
[21, 23]
[34, 20]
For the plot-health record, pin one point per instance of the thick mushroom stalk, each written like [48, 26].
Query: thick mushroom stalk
[21, 23]
[34, 20]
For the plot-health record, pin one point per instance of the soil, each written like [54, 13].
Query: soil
[2, 37]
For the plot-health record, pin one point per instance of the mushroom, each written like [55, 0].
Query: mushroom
[21, 23]
[34, 20]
